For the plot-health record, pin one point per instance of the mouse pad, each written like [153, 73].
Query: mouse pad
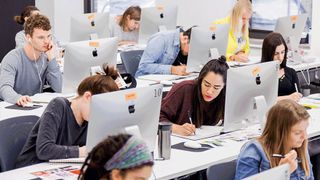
[180, 146]
[23, 108]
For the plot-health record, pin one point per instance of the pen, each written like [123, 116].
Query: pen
[282, 156]
[190, 119]
[296, 86]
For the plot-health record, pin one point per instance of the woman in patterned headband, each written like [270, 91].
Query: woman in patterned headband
[118, 157]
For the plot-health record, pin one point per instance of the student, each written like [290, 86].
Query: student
[274, 48]
[126, 27]
[166, 53]
[24, 70]
[26, 13]
[238, 41]
[285, 134]
[201, 99]
[118, 158]
[61, 130]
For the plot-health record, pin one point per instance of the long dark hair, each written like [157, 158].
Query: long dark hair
[269, 45]
[218, 66]
[93, 167]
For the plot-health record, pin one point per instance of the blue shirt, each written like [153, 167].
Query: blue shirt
[252, 160]
[161, 51]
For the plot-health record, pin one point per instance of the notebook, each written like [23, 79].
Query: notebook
[69, 160]
[203, 132]
[47, 97]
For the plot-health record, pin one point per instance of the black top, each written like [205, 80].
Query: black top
[180, 59]
[56, 135]
[287, 81]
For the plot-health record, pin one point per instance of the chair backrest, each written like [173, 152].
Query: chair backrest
[225, 171]
[13, 135]
[130, 60]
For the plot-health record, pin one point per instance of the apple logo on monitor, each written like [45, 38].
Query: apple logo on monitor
[131, 109]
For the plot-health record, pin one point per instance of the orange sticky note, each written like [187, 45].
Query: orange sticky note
[294, 18]
[255, 71]
[160, 8]
[94, 44]
[131, 96]
[213, 28]
[91, 16]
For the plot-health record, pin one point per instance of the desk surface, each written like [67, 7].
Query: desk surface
[181, 162]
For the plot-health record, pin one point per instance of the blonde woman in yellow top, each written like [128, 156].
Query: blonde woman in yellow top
[238, 42]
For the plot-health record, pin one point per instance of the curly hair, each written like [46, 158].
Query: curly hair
[36, 21]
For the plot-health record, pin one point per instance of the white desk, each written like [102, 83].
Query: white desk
[181, 162]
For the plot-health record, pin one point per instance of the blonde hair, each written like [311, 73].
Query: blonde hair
[236, 13]
[274, 139]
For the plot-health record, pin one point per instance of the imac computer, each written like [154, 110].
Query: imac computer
[84, 57]
[206, 44]
[133, 111]
[250, 92]
[89, 27]
[277, 173]
[291, 28]
[156, 19]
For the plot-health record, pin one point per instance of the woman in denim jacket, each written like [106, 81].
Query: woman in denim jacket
[285, 134]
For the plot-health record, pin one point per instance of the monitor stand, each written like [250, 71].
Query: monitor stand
[162, 28]
[133, 130]
[261, 109]
[93, 36]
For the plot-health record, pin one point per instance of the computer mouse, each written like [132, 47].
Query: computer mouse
[166, 83]
[192, 144]
[29, 104]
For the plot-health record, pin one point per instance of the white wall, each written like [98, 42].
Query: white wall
[315, 36]
[199, 12]
[59, 13]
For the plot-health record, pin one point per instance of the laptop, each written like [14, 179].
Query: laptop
[278, 173]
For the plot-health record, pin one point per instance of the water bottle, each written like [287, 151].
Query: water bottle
[164, 140]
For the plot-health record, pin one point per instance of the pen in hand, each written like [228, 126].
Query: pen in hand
[190, 119]
[296, 86]
[282, 156]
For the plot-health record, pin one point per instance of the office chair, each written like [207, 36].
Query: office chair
[13, 135]
[225, 171]
[130, 60]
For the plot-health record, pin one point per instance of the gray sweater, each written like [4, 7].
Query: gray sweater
[20, 39]
[56, 135]
[21, 76]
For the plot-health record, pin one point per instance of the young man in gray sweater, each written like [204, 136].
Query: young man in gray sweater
[24, 70]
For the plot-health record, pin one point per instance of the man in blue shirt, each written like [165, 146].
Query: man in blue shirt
[166, 53]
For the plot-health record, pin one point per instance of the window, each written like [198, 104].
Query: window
[266, 13]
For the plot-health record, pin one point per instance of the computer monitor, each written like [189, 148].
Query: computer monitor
[281, 172]
[118, 112]
[250, 91]
[206, 44]
[89, 27]
[82, 58]
[291, 28]
[156, 19]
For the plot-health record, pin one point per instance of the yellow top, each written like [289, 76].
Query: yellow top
[233, 45]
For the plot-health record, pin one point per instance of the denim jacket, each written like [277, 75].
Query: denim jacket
[161, 51]
[252, 160]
